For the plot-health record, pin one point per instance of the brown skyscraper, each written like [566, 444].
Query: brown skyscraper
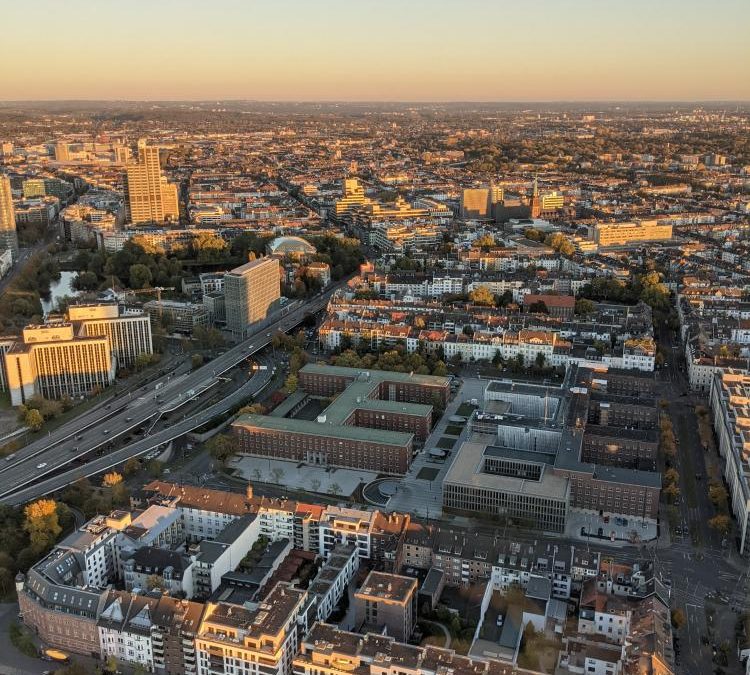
[149, 197]
[8, 236]
[536, 207]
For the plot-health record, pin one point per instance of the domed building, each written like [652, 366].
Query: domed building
[295, 247]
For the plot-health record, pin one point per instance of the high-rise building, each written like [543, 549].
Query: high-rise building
[129, 333]
[475, 204]
[354, 195]
[8, 235]
[249, 292]
[52, 362]
[62, 153]
[149, 197]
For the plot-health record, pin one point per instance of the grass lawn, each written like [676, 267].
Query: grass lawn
[427, 473]
[453, 430]
[446, 443]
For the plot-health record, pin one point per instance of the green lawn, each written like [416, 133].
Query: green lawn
[446, 443]
[465, 409]
[453, 430]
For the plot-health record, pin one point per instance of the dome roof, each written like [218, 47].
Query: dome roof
[291, 245]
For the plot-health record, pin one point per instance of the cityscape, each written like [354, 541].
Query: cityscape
[322, 378]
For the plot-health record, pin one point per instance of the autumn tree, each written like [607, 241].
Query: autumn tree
[111, 479]
[721, 523]
[220, 447]
[482, 296]
[42, 524]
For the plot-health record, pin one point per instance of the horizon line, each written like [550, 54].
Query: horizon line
[375, 101]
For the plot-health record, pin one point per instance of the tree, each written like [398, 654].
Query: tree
[672, 492]
[584, 307]
[142, 361]
[334, 489]
[140, 276]
[6, 580]
[253, 409]
[440, 369]
[315, 484]
[277, 474]
[718, 494]
[671, 477]
[111, 479]
[538, 307]
[678, 618]
[220, 447]
[33, 419]
[540, 361]
[196, 361]
[482, 296]
[132, 466]
[154, 581]
[721, 523]
[42, 524]
[291, 384]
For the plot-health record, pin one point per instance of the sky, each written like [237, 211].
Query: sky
[367, 50]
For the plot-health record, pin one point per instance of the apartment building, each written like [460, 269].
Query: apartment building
[730, 405]
[387, 602]
[333, 579]
[234, 639]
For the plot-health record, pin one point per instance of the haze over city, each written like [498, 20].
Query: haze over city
[421, 50]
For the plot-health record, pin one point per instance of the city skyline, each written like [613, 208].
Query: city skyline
[438, 51]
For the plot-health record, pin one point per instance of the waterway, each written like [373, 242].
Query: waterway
[59, 289]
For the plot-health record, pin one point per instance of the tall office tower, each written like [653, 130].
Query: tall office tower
[8, 235]
[497, 194]
[475, 204]
[52, 362]
[61, 151]
[536, 207]
[354, 195]
[249, 292]
[128, 333]
[148, 195]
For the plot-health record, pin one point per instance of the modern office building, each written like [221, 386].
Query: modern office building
[354, 196]
[47, 187]
[149, 197]
[622, 234]
[178, 317]
[128, 332]
[8, 234]
[62, 151]
[475, 204]
[51, 361]
[249, 292]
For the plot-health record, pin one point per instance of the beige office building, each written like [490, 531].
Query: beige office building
[50, 361]
[475, 204]
[354, 196]
[8, 235]
[622, 234]
[149, 197]
[128, 333]
[249, 292]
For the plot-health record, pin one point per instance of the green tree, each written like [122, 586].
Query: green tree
[196, 361]
[221, 447]
[291, 384]
[140, 276]
[584, 307]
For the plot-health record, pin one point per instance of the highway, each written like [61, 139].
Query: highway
[125, 413]
[252, 387]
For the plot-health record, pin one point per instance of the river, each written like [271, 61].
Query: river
[59, 289]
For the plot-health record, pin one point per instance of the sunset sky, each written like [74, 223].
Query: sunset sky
[414, 50]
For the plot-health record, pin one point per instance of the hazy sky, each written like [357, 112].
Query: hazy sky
[430, 50]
